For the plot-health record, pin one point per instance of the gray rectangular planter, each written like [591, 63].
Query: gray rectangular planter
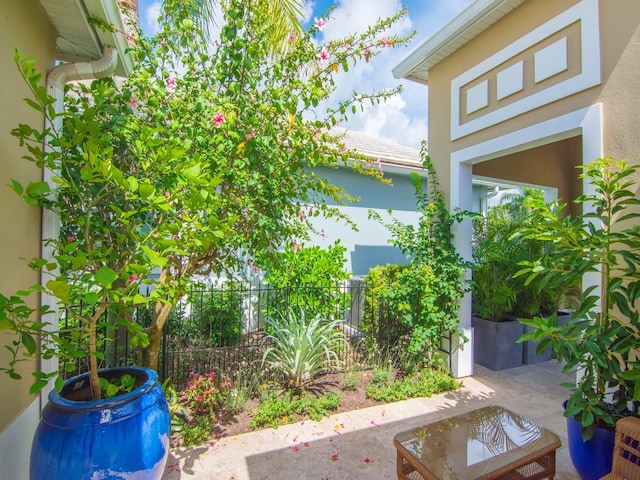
[495, 344]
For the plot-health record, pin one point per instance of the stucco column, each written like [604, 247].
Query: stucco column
[460, 196]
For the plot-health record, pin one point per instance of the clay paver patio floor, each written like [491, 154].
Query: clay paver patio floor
[359, 444]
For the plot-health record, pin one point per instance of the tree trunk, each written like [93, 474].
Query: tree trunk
[148, 356]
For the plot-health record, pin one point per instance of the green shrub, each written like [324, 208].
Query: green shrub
[216, 314]
[306, 277]
[299, 349]
[421, 384]
[204, 393]
[425, 294]
[282, 410]
[352, 379]
[242, 389]
[197, 432]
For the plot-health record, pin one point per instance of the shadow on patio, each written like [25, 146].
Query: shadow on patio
[359, 444]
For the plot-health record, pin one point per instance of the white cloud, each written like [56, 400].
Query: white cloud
[150, 18]
[402, 119]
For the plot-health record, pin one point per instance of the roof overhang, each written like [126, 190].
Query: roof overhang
[78, 40]
[473, 20]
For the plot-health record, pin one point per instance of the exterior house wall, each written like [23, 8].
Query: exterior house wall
[547, 87]
[23, 26]
[368, 246]
[618, 42]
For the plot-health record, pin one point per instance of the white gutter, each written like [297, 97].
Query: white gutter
[56, 80]
[478, 13]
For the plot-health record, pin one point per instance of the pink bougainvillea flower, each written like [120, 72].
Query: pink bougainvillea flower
[218, 119]
[133, 278]
[335, 457]
[366, 53]
[291, 37]
[250, 135]
[306, 444]
[295, 439]
[133, 101]
[368, 460]
[324, 56]
[319, 23]
[71, 238]
[296, 448]
[295, 247]
[386, 42]
[171, 84]
[323, 234]
[374, 424]
[302, 216]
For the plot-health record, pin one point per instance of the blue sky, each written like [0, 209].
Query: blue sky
[402, 119]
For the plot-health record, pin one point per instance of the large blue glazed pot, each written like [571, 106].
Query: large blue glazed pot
[592, 459]
[124, 438]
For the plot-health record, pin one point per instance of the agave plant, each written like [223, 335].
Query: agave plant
[300, 348]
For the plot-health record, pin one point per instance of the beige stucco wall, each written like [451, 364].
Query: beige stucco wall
[618, 92]
[23, 26]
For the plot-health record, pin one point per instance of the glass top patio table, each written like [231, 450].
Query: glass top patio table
[485, 443]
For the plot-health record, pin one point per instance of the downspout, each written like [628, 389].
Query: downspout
[484, 201]
[57, 78]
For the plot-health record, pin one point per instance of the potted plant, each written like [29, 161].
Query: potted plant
[601, 247]
[493, 297]
[95, 266]
[169, 170]
[500, 298]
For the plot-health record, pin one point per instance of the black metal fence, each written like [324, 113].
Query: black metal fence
[222, 328]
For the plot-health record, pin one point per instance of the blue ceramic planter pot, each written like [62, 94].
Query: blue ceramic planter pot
[125, 437]
[592, 459]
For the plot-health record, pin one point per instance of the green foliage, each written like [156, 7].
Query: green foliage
[497, 251]
[299, 348]
[281, 410]
[199, 159]
[196, 432]
[242, 389]
[122, 384]
[311, 278]
[420, 384]
[602, 337]
[351, 379]
[204, 393]
[215, 315]
[425, 294]
[177, 411]
[380, 325]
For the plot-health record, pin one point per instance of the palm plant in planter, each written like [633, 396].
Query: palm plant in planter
[601, 340]
[500, 297]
